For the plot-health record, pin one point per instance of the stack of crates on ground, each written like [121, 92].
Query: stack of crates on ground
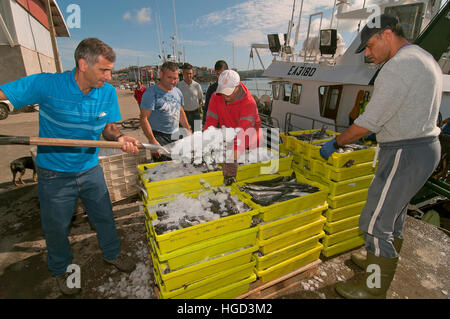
[289, 231]
[213, 259]
[121, 172]
[209, 260]
[348, 177]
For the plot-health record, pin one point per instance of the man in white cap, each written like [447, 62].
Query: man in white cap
[233, 106]
[403, 113]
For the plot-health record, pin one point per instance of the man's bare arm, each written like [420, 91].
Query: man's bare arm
[111, 132]
[145, 125]
[2, 96]
[184, 122]
[353, 133]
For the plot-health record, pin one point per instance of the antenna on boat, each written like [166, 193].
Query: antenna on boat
[157, 23]
[298, 26]
[287, 50]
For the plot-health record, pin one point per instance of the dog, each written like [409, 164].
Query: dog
[20, 165]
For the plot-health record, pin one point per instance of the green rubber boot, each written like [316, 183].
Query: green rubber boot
[371, 286]
[360, 259]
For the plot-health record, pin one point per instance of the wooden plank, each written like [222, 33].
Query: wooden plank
[259, 290]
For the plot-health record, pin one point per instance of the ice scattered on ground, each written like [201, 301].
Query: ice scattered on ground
[136, 285]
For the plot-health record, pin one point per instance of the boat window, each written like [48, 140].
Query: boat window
[285, 91]
[275, 91]
[329, 98]
[295, 93]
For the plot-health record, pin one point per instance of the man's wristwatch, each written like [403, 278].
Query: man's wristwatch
[118, 136]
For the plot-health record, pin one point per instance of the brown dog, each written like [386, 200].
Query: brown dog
[20, 165]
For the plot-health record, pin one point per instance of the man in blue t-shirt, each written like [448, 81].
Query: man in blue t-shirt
[77, 105]
[162, 109]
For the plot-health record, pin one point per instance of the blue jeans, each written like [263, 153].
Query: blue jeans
[192, 117]
[58, 195]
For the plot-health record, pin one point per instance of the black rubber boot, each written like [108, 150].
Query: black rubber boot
[360, 259]
[370, 287]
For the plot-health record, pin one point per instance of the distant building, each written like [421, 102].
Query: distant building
[144, 73]
[25, 42]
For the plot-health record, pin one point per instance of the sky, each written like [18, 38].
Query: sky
[208, 30]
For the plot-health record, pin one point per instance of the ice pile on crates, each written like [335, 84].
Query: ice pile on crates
[347, 175]
[289, 231]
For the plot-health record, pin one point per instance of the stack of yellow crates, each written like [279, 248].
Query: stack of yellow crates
[289, 231]
[214, 259]
[348, 177]
[208, 260]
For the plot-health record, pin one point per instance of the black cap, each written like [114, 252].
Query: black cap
[373, 27]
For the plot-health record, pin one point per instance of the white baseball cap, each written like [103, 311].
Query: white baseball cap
[228, 80]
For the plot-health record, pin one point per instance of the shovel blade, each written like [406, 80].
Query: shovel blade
[155, 147]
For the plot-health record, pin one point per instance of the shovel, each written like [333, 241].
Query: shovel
[29, 140]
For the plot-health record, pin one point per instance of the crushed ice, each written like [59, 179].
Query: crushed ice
[184, 211]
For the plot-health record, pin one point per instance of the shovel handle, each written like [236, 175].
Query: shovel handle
[26, 140]
[75, 143]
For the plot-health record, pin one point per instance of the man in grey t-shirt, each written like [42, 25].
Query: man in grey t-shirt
[193, 97]
[402, 112]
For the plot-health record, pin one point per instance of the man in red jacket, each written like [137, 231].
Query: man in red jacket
[138, 92]
[233, 106]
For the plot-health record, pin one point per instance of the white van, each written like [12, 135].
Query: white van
[5, 108]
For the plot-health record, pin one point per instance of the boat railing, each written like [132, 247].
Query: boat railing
[269, 122]
[315, 123]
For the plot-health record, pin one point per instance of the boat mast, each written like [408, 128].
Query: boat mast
[177, 58]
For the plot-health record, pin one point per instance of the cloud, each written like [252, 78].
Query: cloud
[141, 16]
[251, 21]
[127, 15]
[131, 53]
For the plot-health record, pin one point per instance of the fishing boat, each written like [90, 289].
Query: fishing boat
[320, 85]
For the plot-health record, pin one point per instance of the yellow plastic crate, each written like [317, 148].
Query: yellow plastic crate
[206, 249]
[341, 225]
[303, 147]
[329, 240]
[291, 237]
[283, 149]
[278, 210]
[301, 163]
[336, 214]
[347, 199]
[328, 172]
[288, 142]
[282, 225]
[343, 246]
[339, 159]
[280, 255]
[231, 291]
[274, 166]
[183, 237]
[289, 265]
[184, 276]
[350, 185]
[211, 283]
[160, 189]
